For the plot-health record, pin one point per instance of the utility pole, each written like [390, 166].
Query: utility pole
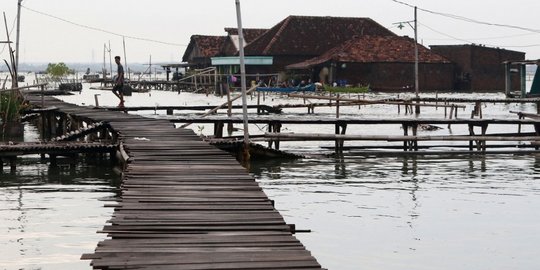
[125, 59]
[18, 34]
[414, 26]
[416, 86]
[245, 157]
[110, 59]
[416, 83]
[104, 61]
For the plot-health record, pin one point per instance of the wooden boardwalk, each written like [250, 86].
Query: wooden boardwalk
[186, 204]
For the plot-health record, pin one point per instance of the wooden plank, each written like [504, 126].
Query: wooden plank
[186, 204]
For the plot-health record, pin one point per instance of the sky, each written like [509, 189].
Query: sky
[77, 30]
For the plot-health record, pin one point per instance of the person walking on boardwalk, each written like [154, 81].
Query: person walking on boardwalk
[119, 82]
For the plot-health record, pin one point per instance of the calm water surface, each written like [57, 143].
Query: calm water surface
[385, 213]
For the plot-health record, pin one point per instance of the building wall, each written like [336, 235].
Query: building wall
[278, 66]
[480, 68]
[396, 76]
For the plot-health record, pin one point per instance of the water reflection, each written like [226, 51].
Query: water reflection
[406, 210]
[49, 215]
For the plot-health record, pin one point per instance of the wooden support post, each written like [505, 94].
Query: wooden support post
[53, 160]
[229, 110]
[343, 130]
[170, 111]
[537, 132]
[480, 110]
[415, 133]
[13, 163]
[96, 100]
[337, 106]
[270, 130]
[218, 129]
[42, 96]
[258, 102]
[337, 146]
[277, 129]
[519, 125]
[483, 143]
[471, 132]
[1, 165]
[405, 133]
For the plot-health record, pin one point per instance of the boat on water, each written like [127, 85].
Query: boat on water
[307, 88]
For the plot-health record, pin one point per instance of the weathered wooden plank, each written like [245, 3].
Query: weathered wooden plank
[186, 204]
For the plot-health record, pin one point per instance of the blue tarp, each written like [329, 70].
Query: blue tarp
[307, 88]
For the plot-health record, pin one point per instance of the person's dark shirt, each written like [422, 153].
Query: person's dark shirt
[120, 74]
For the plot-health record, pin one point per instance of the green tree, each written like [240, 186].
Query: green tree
[58, 70]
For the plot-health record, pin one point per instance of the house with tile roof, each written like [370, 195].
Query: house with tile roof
[352, 51]
[299, 38]
[383, 62]
[202, 48]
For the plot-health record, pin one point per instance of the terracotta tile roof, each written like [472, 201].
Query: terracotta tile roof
[250, 34]
[375, 49]
[208, 46]
[308, 35]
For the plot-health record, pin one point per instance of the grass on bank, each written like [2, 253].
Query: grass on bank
[361, 89]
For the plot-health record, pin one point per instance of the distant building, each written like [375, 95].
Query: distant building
[480, 68]
[353, 51]
[383, 62]
[201, 49]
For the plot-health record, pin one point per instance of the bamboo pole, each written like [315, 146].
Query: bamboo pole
[332, 137]
[222, 105]
[364, 101]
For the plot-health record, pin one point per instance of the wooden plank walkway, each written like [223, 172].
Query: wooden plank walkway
[186, 204]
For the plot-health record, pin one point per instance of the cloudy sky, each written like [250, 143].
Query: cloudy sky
[76, 30]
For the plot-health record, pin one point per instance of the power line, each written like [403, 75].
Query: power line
[102, 30]
[444, 34]
[468, 41]
[461, 18]
[10, 32]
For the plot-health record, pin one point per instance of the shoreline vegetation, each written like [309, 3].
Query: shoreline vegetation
[337, 89]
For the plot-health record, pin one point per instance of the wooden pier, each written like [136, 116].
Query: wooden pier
[410, 127]
[10, 152]
[185, 204]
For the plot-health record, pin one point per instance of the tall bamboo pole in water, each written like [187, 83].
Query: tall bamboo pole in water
[18, 34]
[416, 83]
[245, 158]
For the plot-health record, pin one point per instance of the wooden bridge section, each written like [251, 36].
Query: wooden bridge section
[186, 204]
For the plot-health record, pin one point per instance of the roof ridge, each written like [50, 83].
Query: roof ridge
[278, 33]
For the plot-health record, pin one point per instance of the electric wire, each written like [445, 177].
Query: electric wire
[102, 30]
[10, 32]
[462, 18]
